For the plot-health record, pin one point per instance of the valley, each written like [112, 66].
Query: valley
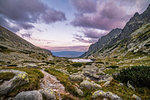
[116, 67]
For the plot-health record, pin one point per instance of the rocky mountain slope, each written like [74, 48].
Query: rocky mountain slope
[136, 32]
[15, 49]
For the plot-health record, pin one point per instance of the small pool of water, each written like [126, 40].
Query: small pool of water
[81, 60]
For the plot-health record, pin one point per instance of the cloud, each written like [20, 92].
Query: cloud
[23, 13]
[26, 35]
[84, 5]
[89, 35]
[67, 48]
[108, 15]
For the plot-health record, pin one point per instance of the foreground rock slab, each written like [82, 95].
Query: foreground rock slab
[19, 79]
[29, 95]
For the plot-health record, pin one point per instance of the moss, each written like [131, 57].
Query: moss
[6, 76]
[34, 80]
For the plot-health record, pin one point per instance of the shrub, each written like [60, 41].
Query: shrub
[138, 76]
[113, 67]
[76, 64]
[6, 76]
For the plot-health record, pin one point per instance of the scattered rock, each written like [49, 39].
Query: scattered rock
[90, 85]
[120, 84]
[106, 83]
[76, 77]
[29, 95]
[130, 86]
[105, 95]
[48, 95]
[31, 65]
[79, 91]
[19, 79]
[136, 97]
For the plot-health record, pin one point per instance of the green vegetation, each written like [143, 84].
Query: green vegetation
[138, 76]
[113, 67]
[76, 64]
[34, 80]
[126, 93]
[5, 76]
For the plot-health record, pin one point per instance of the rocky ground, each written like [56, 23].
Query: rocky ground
[66, 80]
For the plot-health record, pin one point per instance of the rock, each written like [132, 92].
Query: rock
[90, 85]
[19, 79]
[48, 95]
[130, 86]
[31, 65]
[79, 91]
[120, 84]
[76, 77]
[106, 83]
[29, 95]
[136, 97]
[105, 78]
[105, 95]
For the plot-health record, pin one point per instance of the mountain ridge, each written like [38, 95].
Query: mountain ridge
[135, 22]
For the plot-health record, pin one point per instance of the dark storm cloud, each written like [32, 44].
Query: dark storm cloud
[23, 13]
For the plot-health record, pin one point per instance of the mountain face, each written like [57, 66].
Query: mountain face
[121, 40]
[102, 42]
[69, 54]
[15, 49]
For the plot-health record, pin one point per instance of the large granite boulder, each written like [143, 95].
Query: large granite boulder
[19, 79]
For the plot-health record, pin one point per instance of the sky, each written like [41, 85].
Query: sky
[66, 25]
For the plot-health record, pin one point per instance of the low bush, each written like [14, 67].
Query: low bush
[6, 76]
[138, 76]
[76, 64]
[113, 67]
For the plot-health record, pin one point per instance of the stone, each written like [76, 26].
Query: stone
[76, 77]
[103, 94]
[130, 86]
[90, 85]
[19, 79]
[48, 95]
[136, 97]
[106, 83]
[79, 91]
[29, 95]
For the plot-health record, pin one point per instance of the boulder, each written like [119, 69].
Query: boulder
[48, 95]
[19, 79]
[101, 93]
[106, 83]
[90, 85]
[76, 77]
[29, 95]
[136, 97]
[79, 91]
[130, 86]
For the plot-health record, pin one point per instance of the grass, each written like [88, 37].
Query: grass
[125, 92]
[34, 80]
[5, 76]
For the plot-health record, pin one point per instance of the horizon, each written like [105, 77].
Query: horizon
[69, 25]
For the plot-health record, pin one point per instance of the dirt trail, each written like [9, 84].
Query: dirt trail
[50, 82]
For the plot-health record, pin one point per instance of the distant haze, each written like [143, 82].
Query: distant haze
[69, 54]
